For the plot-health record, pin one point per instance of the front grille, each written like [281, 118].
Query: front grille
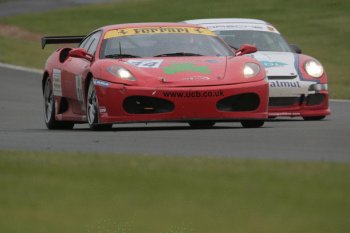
[314, 99]
[281, 77]
[283, 101]
[147, 105]
[239, 103]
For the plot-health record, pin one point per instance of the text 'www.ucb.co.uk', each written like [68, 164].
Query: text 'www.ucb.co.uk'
[193, 94]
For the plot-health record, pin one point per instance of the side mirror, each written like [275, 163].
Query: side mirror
[246, 49]
[295, 48]
[81, 53]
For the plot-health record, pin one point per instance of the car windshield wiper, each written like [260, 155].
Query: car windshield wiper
[177, 54]
[122, 55]
[233, 47]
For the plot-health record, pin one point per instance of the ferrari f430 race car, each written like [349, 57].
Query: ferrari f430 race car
[298, 83]
[151, 72]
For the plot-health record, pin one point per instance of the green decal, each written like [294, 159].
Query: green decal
[180, 67]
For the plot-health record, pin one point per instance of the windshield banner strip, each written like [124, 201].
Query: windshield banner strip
[242, 27]
[157, 30]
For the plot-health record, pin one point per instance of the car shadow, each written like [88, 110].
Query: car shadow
[117, 128]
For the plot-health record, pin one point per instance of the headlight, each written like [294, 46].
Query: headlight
[251, 69]
[121, 72]
[314, 68]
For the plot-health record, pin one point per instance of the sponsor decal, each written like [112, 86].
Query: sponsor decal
[147, 63]
[194, 94]
[79, 91]
[285, 84]
[196, 78]
[269, 64]
[157, 30]
[56, 107]
[79, 88]
[182, 67]
[236, 27]
[57, 82]
[101, 83]
[102, 109]
[284, 114]
[241, 26]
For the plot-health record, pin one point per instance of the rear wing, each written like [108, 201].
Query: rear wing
[60, 40]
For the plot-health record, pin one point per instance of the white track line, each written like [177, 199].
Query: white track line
[20, 68]
[37, 71]
[340, 100]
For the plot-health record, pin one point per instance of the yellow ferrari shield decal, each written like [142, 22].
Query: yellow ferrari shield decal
[157, 30]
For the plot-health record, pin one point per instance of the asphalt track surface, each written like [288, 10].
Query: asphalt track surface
[22, 128]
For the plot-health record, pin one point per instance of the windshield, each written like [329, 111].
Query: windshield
[163, 45]
[264, 41]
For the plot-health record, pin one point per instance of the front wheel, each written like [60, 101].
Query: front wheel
[49, 110]
[314, 118]
[252, 123]
[92, 110]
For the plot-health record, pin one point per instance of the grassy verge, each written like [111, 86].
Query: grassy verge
[110, 193]
[23, 52]
[319, 27]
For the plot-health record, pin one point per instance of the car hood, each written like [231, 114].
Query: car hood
[277, 63]
[178, 71]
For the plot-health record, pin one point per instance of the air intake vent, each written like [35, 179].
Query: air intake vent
[147, 105]
[239, 103]
[283, 101]
[315, 99]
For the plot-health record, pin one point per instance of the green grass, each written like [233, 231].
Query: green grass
[319, 27]
[50, 192]
[25, 53]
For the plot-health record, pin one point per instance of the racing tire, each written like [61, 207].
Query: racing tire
[201, 124]
[92, 110]
[252, 123]
[314, 118]
[49, 109]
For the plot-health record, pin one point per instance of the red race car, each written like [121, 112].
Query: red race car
[152, 72]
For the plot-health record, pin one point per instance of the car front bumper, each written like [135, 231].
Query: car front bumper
[300, 106]
[120, 103]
